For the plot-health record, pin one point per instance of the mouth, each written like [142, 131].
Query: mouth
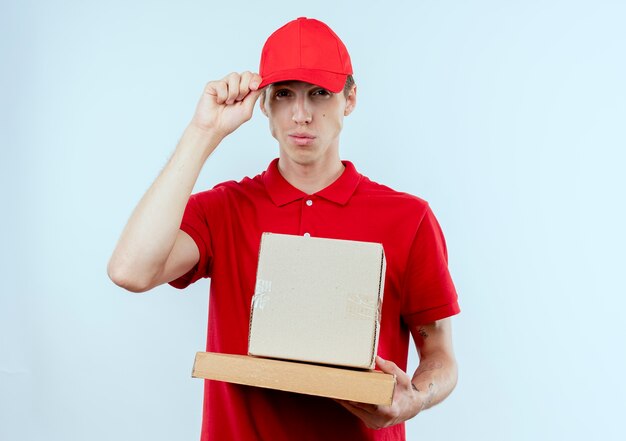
[301, 138]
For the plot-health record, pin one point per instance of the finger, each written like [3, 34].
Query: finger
[250, 99]
[367, 418]
[233, 87]
[255, 81]
[351, 404]
[389, 367]
[244, 85]
[369, 408]
[218, 89]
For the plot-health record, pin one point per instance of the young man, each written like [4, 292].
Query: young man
[306, 90]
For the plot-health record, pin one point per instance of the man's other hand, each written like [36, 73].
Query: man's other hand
[227, 103]
[406, 401]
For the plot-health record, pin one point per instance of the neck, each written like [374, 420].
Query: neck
[313, 177]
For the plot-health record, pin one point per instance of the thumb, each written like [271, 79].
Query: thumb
[388, 367]
[251, 98]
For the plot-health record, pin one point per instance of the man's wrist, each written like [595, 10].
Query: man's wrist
[424, 396]
[205, 140]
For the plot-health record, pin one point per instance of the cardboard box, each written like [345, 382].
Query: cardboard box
[372, 387]
[317, 300]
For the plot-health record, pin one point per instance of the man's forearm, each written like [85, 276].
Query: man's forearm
[435, 378]
[141, 258]
[151, 231]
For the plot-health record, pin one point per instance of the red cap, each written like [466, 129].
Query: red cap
[305, 50]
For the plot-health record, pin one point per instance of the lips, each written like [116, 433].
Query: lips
[301, 138]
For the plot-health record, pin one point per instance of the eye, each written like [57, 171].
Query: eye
[282, 93]
[321, 92]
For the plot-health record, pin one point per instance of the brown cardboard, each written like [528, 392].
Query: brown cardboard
[317, 300]
[372, 387]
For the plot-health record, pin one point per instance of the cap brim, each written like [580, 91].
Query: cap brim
[332, 81]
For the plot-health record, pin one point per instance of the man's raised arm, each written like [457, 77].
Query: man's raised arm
[152, 250]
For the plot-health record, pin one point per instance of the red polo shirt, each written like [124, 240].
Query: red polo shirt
[227, 222]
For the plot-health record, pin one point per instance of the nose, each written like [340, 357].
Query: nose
[301, 111]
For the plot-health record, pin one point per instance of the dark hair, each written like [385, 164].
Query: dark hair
[348, 86]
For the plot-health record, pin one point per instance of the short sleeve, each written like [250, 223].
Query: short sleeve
[195, 223]
[428, 291]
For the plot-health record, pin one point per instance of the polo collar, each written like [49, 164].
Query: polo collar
[282, 192]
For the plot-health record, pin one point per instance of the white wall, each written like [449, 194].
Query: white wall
[507, 116]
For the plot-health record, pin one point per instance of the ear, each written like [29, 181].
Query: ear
[350, 101]
[262, 102]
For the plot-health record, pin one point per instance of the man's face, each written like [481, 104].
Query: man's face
[306, 120]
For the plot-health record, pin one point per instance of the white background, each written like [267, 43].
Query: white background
[507, 116]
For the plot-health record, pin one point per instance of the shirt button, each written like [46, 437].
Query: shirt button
[307, 234]
[309, 202]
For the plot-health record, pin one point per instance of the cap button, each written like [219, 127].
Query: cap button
[301, 18]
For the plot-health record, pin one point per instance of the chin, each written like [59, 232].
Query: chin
[303, 157]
